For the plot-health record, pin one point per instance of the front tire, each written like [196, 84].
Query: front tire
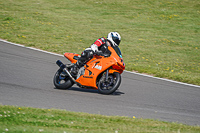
[110, 86]
[62, 81]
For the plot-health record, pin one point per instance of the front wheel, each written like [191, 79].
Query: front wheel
[111, 85]
[61, 80]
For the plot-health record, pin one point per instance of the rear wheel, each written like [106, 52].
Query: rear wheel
[61, 80]
[111, 85]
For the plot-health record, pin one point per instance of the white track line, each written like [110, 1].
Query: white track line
[30, 48]
[164, 79]
[125, 70]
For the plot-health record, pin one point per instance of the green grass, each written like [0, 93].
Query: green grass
[26, 119]
[158, 37]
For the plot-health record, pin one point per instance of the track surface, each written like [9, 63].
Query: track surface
[26, 80]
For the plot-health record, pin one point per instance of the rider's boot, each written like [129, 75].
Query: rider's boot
[76, 67]
[85, 56]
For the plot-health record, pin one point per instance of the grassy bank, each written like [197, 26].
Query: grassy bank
[158, 37]
[23, 119]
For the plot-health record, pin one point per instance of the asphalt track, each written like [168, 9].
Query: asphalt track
[26, 77]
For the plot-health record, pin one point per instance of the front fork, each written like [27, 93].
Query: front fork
[107, 72]
[107, 80]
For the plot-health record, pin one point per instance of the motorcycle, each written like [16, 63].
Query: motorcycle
[102, 72]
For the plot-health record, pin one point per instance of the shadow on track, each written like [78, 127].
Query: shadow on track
[116, 93]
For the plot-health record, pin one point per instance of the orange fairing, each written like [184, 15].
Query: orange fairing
[98, 65]
[119, 65]
[93, 68]
[70, 56]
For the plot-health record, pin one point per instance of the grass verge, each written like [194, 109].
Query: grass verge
[26, 119]
[158, 37]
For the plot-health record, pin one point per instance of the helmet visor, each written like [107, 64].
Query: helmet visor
[116, 39]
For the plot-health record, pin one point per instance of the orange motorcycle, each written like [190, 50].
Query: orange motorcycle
[101, 72]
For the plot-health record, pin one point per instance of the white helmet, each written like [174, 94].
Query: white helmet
[114, 38]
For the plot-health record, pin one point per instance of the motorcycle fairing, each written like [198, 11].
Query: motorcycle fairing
[92, 70]
[96, 66]
[71, 57]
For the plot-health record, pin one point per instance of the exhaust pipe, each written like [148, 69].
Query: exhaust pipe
[60, 64]
[63, 67]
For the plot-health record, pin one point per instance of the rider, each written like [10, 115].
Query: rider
[99, 47]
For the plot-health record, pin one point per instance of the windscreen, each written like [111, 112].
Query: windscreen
[118, 51]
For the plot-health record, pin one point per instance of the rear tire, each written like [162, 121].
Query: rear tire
[111, 86]
[61, 81]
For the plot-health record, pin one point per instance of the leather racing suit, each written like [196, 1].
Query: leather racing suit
[99, 46]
